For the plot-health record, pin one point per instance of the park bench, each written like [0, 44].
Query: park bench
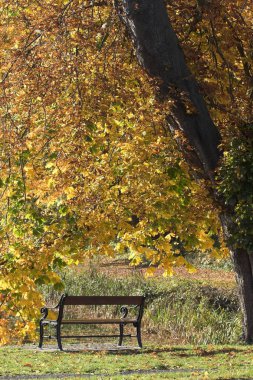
[125, 303]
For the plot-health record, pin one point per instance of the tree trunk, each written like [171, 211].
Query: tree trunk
[159, 53]
[243, 269]
[243, 266]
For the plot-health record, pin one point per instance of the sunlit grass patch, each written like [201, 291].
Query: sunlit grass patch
[171, 362]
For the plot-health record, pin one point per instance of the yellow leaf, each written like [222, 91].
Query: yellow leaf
[191, 268]
[70, 192]
[168, 272]
[150, 272]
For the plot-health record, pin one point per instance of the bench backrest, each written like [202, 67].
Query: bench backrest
[103, 300]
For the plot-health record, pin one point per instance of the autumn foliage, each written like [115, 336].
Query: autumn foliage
[87, 163]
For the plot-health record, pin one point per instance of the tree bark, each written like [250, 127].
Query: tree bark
[243, 267]
[159, 53]
[243, 270]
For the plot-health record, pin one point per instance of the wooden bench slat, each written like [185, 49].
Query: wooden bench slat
[103, 300]
[97, 321]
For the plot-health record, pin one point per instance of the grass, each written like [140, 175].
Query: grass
[186, 362]
[199, 319]
[202, 260]
[177, 310]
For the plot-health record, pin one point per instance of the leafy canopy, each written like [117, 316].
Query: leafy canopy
[87, 163]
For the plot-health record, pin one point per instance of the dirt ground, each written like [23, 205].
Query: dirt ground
[121, 268]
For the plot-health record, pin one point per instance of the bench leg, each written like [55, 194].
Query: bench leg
[41, 335]
[58, 336]
[121, 331]
[138, 335]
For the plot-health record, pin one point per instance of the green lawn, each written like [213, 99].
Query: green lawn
[187, 362]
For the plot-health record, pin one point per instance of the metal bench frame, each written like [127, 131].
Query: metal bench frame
[124, 301]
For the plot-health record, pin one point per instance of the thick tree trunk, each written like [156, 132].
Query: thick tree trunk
[243, 266]
[159, 53]
[243, 270]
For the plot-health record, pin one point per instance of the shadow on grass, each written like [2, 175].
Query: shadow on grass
[174, 351]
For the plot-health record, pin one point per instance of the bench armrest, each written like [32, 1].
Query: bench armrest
[44, 311]
[125, 309]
